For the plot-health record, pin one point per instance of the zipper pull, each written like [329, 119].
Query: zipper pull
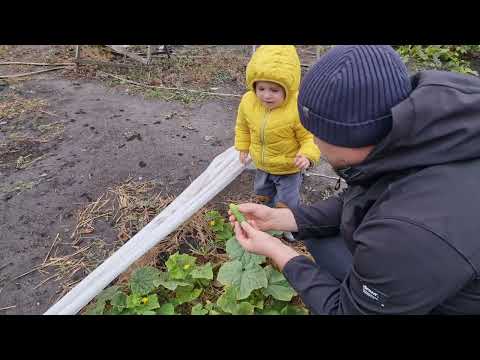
[337, 185]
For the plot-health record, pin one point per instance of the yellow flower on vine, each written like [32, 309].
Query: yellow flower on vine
[212, 223]
[186, 267]
[145, 300]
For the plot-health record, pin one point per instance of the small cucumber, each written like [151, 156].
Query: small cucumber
[238, 215]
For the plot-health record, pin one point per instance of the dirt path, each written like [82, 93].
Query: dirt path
[103, 136]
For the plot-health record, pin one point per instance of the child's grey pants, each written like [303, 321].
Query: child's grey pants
[279, 188]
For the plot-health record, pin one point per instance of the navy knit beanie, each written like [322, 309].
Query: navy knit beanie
[346, 97]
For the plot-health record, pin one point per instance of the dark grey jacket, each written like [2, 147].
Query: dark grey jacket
[410, 215]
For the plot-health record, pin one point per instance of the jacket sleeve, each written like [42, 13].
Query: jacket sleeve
[242, 132]
[307, 145]
[398, 268]
[319, 219]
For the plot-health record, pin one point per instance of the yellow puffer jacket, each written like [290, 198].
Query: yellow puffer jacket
[274, 137]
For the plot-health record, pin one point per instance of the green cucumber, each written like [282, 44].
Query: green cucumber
[236, 213]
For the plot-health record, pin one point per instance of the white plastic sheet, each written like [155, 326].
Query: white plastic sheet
[221, 172]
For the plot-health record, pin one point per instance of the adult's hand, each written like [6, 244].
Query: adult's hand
[266, 218]
[258, 242]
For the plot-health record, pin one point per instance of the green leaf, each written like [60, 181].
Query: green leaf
[279, 292]
[226, 233]
[199, 310]
[269, 311]
[218, 227]
[180, 266]
[147, 312]
[117, 311]
[96, 309]
[293, 310]
[278, 287]
[213, 309]
[228, 300]
[273, 308]
[228, 303]
[151, 302]
[204, 282]
[143, 280]
[215, 312]
[253, 277]
[203, 272]
[134, 300]
[142, 303]
[107, 294]
[212, 215]
[101, 300]
[257, 299]
[275, 233]
[230, 273]
[236, 252]
[244, 308]
[187, 293]
[119, 300]
[166, 309]
[164, 281]
[128, 311]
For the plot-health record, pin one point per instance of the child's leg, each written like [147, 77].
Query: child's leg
[288, 190]
[264, 187]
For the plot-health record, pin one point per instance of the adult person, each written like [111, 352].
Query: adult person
[404, 237]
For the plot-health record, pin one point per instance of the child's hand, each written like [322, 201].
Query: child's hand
[302, 162]
[243, 157]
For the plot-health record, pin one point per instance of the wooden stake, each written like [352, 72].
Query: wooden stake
[35, 64]
[31, 73]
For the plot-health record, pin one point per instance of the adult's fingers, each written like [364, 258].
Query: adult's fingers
[248, 208]
[253, 224]
[239, 233]
[248, 228]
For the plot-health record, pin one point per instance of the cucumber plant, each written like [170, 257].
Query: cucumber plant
[248, 285]
[440, 57]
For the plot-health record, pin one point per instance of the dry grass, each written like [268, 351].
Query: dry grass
[25, 131]
[20, 151]
[3, 51]
[24, 162]
[193, 72]
[96, 52]
[13, 106]
[51, 131]
[18, 186]
[127, 208]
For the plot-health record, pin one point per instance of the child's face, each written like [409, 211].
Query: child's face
[270, 94]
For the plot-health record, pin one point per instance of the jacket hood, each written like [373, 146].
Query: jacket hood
[275, 63]
[438, 123]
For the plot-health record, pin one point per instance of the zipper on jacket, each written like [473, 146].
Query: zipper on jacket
[262, 136]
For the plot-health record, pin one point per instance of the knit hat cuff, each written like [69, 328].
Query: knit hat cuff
[350, 135]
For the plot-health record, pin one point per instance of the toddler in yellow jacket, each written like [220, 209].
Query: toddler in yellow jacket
[269, 129]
